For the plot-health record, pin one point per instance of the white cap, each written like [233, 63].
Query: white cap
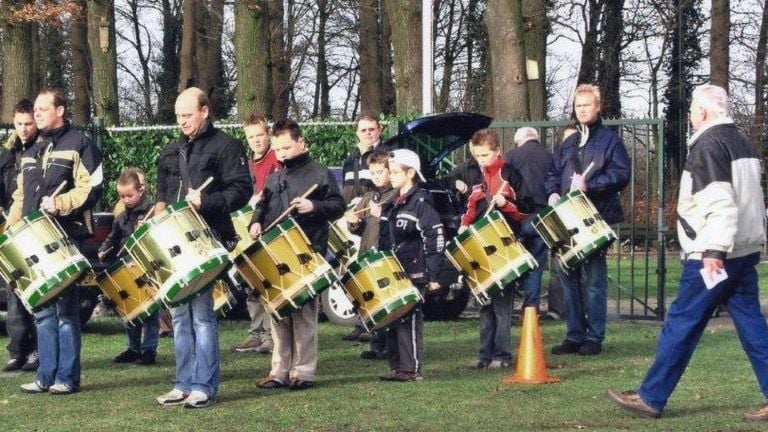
[408, 159]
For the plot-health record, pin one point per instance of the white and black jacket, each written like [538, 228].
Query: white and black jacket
[720, 208]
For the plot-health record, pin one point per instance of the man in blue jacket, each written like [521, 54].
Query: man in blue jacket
[600, 147]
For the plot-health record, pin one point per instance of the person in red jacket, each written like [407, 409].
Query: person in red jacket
[262, 163]
[493, 183]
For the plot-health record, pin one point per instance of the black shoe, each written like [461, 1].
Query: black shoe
[365, 336]
[14, 364]
[354, 334]
[33, 361]
[127, 356]
[590, 348]
[373, 355]
[146, 358]
[567, 347]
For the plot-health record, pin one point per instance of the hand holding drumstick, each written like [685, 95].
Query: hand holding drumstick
[256, 230]
[194, 196]
[48, 203]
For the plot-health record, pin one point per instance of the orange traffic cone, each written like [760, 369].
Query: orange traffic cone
[531, 365]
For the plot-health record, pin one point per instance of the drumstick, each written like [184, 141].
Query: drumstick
[147, 216]
[205, 184]
[491, 206]
[361, 210]
[58, 189]
[289, 209]
[589, 168]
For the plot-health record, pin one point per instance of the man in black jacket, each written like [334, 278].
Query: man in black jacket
[294, 356]
[63, 154]
[19, 323]
[203, 151]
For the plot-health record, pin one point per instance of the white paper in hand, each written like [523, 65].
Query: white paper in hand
[710, 282]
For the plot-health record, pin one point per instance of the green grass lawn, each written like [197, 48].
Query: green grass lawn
[717, 388]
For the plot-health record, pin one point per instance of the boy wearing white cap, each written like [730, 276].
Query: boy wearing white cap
[413, 231]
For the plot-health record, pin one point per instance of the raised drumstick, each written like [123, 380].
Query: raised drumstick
[289, 209]
[589, 168]
[205, 184]
[59, 189]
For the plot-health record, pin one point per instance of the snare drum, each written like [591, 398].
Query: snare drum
[282, 267]
[134, 295]
[573, 228]
[38, 260]
[342, 243]
[241, 219]
[380, 289]
[489, 256]
[223, 299]
[178, 252]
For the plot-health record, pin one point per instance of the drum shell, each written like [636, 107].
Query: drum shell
[179, 253]
[38, 260]
[342, 243]
[241, 219]
[134, 295]
[283, 268]
[380, 289]
[223, 299]
[490, 256]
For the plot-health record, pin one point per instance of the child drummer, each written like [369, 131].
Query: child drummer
[490, 182]
[294, 356]
[133, 196]
[363, 220]
[411, 227]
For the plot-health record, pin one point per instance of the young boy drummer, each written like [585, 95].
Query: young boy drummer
[413, 230]
[294, 356]
[489, 181]
[363, 220]
[134, 198]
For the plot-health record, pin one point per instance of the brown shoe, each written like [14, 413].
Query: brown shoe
[759, 415]
[631, 401]
[270, 383]
[248, 345]
[266, 346]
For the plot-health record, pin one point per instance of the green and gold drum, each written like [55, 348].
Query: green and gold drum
[134, 294]
[573, 229]
[179, 253]
[241, 219]
[489, 256]
[223, 299]
[342, 243]
[380, 290]
[284, 269]
[38, 260]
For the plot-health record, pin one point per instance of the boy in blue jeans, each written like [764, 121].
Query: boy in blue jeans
[134, 197]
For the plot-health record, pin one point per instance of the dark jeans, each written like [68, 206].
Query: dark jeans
[20, 325]
[586, 306]
[531, 283]
[495, 328]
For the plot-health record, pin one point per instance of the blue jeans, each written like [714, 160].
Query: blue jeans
[495, 328]
[196, 345]
[585, 314]
[151, 335]
[688, 316]
[531, 283]
[58, 340]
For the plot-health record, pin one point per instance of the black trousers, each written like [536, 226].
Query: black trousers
[20, 325]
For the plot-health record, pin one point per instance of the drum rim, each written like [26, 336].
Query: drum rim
[154, 306]
[118, 263]
[152, 222]
[242, 211]
[80, 266]
[12, 230]
[369, 257]
[199, 270]
[600, 242]
[269, 236]
[383, 311]
[317, 286]
[478, 224]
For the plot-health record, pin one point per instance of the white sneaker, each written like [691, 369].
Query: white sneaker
[61, 389]
[172, 398]
[34, 387]
[198, 399]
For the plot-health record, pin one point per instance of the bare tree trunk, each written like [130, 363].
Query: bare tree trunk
[210, 67]
[168, 78]
[405, 20]
[81, 68]
[589, 50]
[537, 28]
[187, 70]
[504, 20]
[18, 69]
[101, 14]
[719, 58]
[609, 68]
[760, 75]
[370, 58]
[280, 61]
[322, 106]
[449, 56]
[251, 54]
[388, 96]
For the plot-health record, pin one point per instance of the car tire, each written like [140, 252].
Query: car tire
[337, 307]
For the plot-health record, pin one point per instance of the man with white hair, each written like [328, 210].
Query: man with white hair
[531, 159]
[720, 226]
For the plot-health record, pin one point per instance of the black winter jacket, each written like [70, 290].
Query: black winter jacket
[415, 234]
[10, 164]
[609, 175]
[211, 154]
[532, 160]
[296, 177]
[123, 226]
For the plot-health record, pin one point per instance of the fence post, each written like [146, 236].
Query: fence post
[97, 135]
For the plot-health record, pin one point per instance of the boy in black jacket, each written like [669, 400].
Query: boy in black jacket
[137, 205]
